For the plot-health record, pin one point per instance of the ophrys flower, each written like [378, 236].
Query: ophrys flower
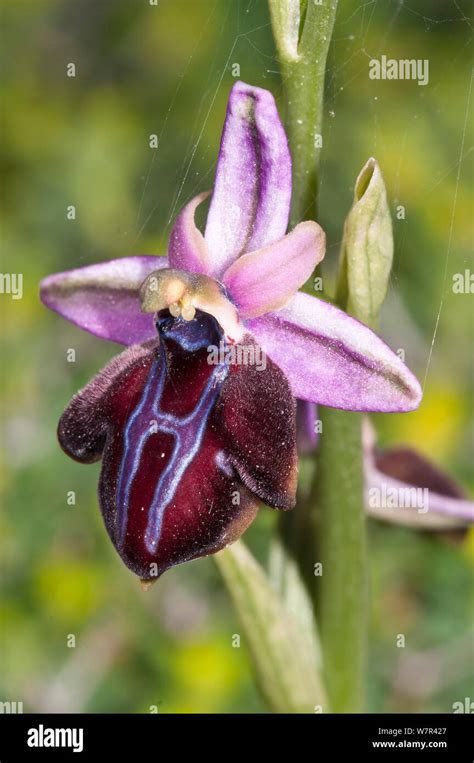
[191, 448]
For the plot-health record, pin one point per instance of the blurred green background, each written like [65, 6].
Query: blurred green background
[167, 70]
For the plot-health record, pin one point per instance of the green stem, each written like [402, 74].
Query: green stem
[336, 502]
[342, 594]
[302, 33]
[303, 48]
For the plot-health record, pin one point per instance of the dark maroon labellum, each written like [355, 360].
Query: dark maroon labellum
[189, 448]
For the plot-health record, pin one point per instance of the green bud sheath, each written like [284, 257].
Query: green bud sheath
[367, 248]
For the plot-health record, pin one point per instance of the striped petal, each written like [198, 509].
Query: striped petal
[252, 191]
[332, 359]
[103, 299]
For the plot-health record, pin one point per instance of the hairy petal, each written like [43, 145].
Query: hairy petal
[103, 299]
[187, 248]
[266, 279]
[84, 425]
[252, 192]
[332, 359]
[177, 483]
[256, 414]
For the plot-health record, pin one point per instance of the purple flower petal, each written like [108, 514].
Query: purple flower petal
[266, 279]
[252, 192]
[187, 249]
[404, 487]
[332, 359]
[103, 299]
[307, 437]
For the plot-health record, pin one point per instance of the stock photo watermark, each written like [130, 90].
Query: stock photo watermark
[417, 69]
[237, 355]
[463, 283]
[11, 708]
[464, 706]
[390, 497]
[42, 736]
[12, 284]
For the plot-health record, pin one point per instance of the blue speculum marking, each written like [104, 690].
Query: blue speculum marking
[148, 418]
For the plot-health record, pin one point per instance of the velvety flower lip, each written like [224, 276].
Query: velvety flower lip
[188, 451]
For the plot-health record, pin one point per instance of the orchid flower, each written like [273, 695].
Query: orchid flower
[398, 472]
[192, 443]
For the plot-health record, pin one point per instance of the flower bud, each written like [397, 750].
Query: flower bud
[367, 248]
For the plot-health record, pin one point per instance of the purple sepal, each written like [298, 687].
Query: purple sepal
[331, 359]
[252, 191]
[103, 299]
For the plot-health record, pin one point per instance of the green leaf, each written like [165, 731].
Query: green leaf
[283, 647]
[367, 248]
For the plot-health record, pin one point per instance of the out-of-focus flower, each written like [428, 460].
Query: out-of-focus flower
[401, 485]
[404, 487]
